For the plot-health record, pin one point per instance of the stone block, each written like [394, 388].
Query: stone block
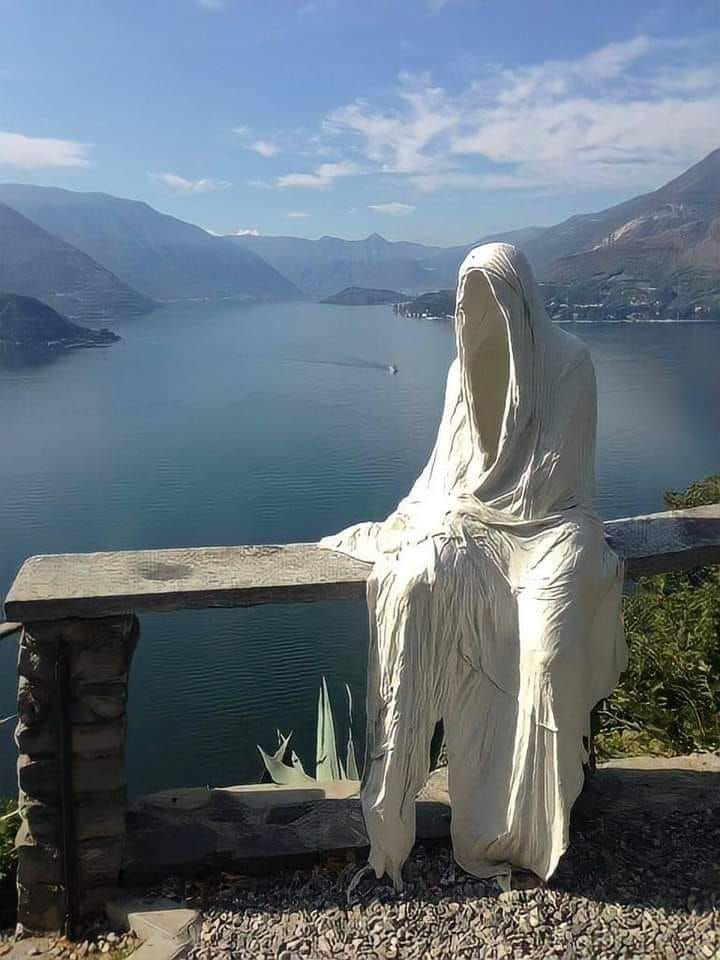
[99, 774]
[39, 778]
[97, 819]
[99, 861]
[102, 633]
[98, 701]
[43, 820]
[99, 739]
[35, 702]
[36, 660]
[99, 664]
[93, 901]
[38, 863]
[46, 632]
[41, 908]
[36, 739]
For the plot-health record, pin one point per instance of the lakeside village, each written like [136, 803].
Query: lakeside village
[643, 305]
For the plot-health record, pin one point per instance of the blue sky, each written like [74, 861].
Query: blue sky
[431, 120]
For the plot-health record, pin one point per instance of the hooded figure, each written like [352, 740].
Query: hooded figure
[494, 600]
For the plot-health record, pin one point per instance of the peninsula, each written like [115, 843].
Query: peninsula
[27, 322]
[365, 296]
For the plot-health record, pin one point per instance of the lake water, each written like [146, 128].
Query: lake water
[228, 424]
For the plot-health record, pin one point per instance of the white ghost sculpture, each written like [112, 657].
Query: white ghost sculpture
[494, 601]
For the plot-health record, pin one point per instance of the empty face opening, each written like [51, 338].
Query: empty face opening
[487, 361]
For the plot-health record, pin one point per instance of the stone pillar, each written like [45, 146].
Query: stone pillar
[71, 737]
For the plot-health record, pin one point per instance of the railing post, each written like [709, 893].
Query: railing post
[71, 737]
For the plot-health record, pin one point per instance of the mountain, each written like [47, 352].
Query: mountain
[446, 261]
[693, 197]
[655, 256]
[659, 250]
[35, 263]
[163, 257]
[321, 267]
[364, 296]
[27, 322]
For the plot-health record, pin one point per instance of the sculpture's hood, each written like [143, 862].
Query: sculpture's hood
[509, 444]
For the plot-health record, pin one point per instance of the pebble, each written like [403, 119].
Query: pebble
[612, 897]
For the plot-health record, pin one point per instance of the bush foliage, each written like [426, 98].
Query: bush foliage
[9, 823]
[668, 700]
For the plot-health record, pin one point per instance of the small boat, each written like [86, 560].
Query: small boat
[392, 368]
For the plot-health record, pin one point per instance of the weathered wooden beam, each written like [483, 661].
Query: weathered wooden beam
[667, 542]
[7, 629]
[105, 584]
[93, 584]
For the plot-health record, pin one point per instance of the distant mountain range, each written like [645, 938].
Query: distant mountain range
[653, 257]
[322, 267]
[160, 256]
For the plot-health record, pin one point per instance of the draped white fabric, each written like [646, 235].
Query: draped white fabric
[494, 600]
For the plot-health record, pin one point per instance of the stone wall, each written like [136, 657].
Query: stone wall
[71, 736]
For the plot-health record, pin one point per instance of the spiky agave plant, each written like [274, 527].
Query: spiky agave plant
[328, 765]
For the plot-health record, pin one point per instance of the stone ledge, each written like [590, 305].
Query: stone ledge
[258, 828]
[255, 827]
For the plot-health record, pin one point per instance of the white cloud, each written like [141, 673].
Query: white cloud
[392, 209]
[321, 178]
[247, 233]
[181, 185]
[265, 148]
[400, 140]
[33, 153]
[297, 214]
[628, 114]
[435, 6]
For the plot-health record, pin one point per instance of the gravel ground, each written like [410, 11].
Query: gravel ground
[629, 889]
[102, 943]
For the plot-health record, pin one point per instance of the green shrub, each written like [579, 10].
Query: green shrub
[668, 700]
[8, 828]
[9, 822]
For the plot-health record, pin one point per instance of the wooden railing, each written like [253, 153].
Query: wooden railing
[78, 613]
[105, 584]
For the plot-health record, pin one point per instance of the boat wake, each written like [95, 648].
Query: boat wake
[358, 364]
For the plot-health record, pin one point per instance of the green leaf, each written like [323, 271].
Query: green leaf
[282, 773]
[327, 764]
[351, 766]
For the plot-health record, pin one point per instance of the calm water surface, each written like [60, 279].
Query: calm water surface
[228, 424]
